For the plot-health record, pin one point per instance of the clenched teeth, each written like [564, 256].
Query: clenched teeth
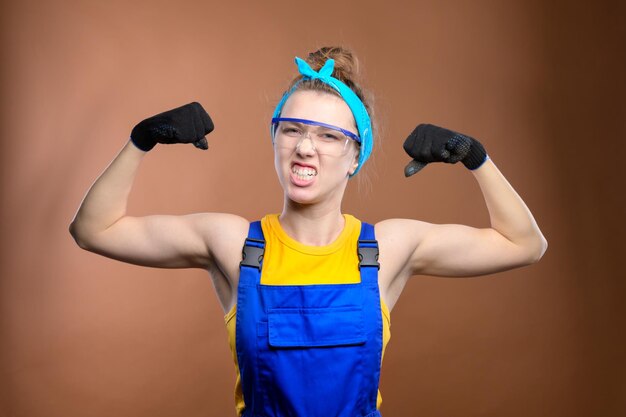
[303, 173]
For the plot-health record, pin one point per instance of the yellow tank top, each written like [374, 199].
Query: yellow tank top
[289, 262]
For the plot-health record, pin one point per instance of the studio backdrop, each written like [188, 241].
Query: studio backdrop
[540, 84]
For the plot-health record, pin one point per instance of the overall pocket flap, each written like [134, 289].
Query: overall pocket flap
[316, 327]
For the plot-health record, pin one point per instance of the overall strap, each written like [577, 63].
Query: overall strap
[369, 266]
[368, 253]
[252, 255]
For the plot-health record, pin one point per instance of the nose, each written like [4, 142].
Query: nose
[306, 147]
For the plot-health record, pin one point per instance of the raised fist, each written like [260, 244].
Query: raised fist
[186, 124]
[429, 143]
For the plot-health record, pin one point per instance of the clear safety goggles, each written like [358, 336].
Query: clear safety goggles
[326, 139]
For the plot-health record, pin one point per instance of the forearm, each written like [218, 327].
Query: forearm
[508, 213]
[107, 199]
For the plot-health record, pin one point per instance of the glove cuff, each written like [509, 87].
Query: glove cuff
[141, 141]
[476, 155]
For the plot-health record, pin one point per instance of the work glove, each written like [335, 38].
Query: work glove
[430, 143]
[185, 124]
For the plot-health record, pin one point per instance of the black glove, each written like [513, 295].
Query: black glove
[185, 124]
[430, 143]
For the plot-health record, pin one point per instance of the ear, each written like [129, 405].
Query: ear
[355, 163]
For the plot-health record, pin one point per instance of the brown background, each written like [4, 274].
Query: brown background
[541, 84]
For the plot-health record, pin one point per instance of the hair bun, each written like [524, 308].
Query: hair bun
[346, 65]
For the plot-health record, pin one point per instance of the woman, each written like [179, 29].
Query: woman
[307, 309]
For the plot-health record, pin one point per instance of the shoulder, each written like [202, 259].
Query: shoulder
[394, 231]
[223, 234]
[221, 226]
[398, 240]
[400, 230]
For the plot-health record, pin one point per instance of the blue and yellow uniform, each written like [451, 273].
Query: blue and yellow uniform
[318, 331]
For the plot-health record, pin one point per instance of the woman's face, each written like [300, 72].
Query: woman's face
[306, 176]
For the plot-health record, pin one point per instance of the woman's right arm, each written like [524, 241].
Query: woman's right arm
[190, 241]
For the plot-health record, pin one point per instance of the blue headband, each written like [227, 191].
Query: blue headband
[363, 123]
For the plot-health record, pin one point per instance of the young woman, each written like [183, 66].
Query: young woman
[307, 308]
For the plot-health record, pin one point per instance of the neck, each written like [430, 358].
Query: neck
[313, 224]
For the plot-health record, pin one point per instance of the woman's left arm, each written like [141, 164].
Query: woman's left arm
[513, 240]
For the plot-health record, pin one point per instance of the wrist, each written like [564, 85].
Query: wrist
[141, 141]
[143, 147]
[476, 156]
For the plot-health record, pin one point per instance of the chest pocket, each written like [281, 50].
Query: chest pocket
[316, 327]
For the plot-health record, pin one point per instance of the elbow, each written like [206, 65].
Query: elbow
[78, 236]
[543, 246]
[537, 250]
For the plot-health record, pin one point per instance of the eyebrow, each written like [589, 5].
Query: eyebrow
[276, 120]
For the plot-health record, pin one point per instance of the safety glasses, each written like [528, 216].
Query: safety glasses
[326, 139]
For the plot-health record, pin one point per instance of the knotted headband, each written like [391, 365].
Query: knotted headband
[362, 118]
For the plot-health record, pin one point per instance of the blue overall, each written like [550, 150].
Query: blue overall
[309, 350]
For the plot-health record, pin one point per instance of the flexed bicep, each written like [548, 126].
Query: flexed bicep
[413, 247]
[455, 250]
[159, 241]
